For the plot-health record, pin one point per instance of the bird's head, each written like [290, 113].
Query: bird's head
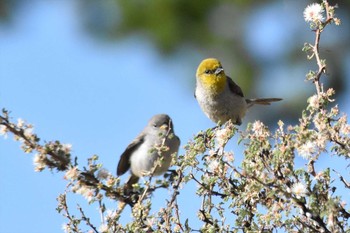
[211, 75]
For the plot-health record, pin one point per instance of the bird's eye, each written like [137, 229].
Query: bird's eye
[154, 125]
[207, 71]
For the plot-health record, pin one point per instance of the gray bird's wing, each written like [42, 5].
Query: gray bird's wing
[124, 162]
[234, 88]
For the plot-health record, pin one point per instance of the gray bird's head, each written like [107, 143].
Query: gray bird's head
[161, 123]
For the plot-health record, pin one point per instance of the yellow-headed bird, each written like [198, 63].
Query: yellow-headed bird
[220, 98]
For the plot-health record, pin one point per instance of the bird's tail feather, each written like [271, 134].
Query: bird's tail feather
[132, 180]
[262, 101]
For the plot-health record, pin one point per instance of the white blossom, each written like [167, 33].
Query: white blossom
[39, 162]
[229, 156]
[3, 131]
[86, 192]
[313, 101]
[72, 173]
[213, 165]
[259, 129]
[308, 215]
[28, 132]
[111, 214]
[345, 129]
[306, 150]
[103, 228]
[313, 13]
[299, 189]
[177, 228]
[221, 136]
[20, 123]
[66, 228]
[330, 221]
[66, 148]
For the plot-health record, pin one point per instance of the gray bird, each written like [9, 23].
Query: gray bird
[142, 154]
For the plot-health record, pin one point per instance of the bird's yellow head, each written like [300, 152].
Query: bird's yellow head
[211, 75]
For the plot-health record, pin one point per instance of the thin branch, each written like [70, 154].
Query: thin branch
[63, 206]
[346, 183]
[173, 199]
[86, 219]
[210, 191]
[321, 67]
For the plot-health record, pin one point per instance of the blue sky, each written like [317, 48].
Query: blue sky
[95, 96]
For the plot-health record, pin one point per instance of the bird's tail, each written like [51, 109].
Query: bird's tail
[132, 180]
[262, 101]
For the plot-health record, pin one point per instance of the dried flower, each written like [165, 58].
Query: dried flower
[337, 21]
[111, 181]
[103, 174]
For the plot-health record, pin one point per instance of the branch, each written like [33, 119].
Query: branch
[87, 220]
[62, 205]
[346, 183]
[57, 157]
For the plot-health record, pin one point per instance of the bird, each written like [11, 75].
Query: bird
[156, 142]
[219, 97]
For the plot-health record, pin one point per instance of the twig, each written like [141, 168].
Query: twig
[321, 67]
[63, 204]
[210, 191]
[346, 183]
[173, 199]
[202, 211]
[315, 47]
[87, 220]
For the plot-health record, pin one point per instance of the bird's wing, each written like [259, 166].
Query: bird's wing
[124, 162]
[234, 88]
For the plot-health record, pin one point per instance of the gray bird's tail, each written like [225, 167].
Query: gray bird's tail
[132, 180]
[262, 101]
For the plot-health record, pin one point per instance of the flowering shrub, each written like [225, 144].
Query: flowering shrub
[264, 192]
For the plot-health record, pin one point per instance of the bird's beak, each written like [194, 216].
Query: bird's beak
[164, 127]
[218, 71]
